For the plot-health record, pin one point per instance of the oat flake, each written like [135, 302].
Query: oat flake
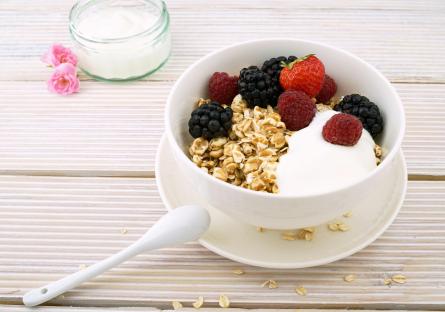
[176, 305]
[338, 226]
[238, 272]
[349, 278]
[301, 291]
[333, 227]
[289, 236]
[224, 301]
[343, 227]
[347, 214]
[271, 284]
[399, 279]
[199, 302]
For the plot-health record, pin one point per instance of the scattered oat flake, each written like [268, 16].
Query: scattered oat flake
[305, 234]
[224, 301]
[302, 234]
[333, 227]
[399, 279]
[308, 236]
[82, 266]
[338, 226]
[349, 278]
[343, 227]
[347, 214]
[238, 272]
[124, 231]
[387, 281]
[259, 229]
[301, 291]
[176, 305]
[309, 229]
[289, 236]
[271, 284]
[199, 302]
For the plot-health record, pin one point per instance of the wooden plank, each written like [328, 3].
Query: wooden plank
[377, 5]
[15, 308]
[402, 40]
[104, 130]
[12, 308]
[52, 225]
[114, 131]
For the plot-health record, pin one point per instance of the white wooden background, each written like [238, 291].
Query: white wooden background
[75, 171]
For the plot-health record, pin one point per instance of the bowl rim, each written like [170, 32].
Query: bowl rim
[210, 179]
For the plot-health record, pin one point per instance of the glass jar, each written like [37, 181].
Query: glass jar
[118, 40]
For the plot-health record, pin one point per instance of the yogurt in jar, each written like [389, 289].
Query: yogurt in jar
[120, 40]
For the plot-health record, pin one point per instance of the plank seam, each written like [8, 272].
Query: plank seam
[147, 175]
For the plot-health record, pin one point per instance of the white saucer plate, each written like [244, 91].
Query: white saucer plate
[241, 242]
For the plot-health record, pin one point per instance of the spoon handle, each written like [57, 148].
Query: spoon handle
[183, 224]
[52, 290]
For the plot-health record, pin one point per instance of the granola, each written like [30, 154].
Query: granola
[249, 157]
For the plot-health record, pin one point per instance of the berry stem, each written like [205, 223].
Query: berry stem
[298, 60]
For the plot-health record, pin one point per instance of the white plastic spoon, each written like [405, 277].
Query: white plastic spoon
[180, 225]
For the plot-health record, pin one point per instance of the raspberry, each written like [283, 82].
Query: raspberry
[296, 109]
[328, 90]
[223, 88]
[343, 129]
[368, 112]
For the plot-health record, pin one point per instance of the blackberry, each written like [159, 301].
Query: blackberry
[273, 68]
[210, 121]
[256, 87]
[367, 111]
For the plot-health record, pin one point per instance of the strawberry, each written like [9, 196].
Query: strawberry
[304, 74]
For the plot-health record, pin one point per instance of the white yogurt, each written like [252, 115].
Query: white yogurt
[115, 22]
[313, 165]
[120, 42]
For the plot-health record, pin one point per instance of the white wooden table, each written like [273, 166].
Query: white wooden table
[77, 171]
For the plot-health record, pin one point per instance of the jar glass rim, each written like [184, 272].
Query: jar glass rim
[80, 5]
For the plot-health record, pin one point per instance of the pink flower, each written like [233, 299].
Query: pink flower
[58, 54]
[64, 80]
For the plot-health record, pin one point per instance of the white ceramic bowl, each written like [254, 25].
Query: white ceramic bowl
[352, 75]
